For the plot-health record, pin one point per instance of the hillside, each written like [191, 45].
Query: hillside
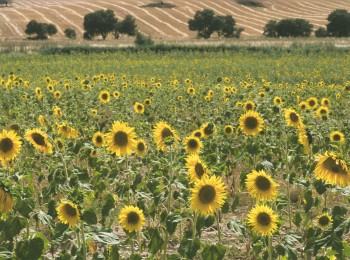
[162, 23]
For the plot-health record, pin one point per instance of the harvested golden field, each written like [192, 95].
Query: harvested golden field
[160, 23]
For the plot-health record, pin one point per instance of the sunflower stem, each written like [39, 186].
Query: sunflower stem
[288, 201]
[139, 241]
[194, 226]
[269, 242]
[217, 216]
[83, 238]
[170, 179]
[325, 199]
[132, 244]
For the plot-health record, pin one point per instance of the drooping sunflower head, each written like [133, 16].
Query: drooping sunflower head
[10, 145]
[141, 147]
[164, 136]
[192, 144]
[98, 139]
[39, 139]
[208, 195]
[139, 108]
[6, 201]
[324, 220]
[68, 213]
[121, 139]
[196, 168]
[292, 118]
[228, 130]
[131, 218]
[261, 186]
[208, 129]
[249, 105]
[262, 220]
[332, 169]
[312, 102]
[337, 136]
[42, 120]
[104, 96]
[251, 123]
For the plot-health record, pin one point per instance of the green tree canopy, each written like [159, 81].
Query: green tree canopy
[126, 26]
[42, 30]
[339, 23]
[288, 27]
[100, 22]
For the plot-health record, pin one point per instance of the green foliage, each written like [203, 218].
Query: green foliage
[214, 252]
[70, 33]
[339, 23]
[270, 29]
[100, 22]
[30, 249]
[288, 27]
[42, 30]
[321, 32]
[126, 26]
[142, 40]
[250, 3]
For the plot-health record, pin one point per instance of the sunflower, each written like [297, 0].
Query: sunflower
[93, 153]
[263, 220]
[93, 112]
[292, 118]
[104, 96]
[251, 123]
[208, 129]
[59, 143]
[312, 102]
[192, 144]
[249, 105]
[305, 138]
[39, 139]
[38, 91]
[42, 120]
[6, 201]
[15, 128]
[50, 88]
[139, 108]
[57, 94]
[261, 186]
[131, 218]
[337, 136]
[322, 111]
[121, 139]
[262, 94]
[303, 105]
[228, 129]
[67, 132]
[68, 213]
[208, 195]
[198, 133]
[325, 102]
[57, 112]
[147, 102]
[332, 169]
[179, 98]
[196, 168]
[191, 91]
[141, 147]
[324, 220]
[161, 135]
[277, 101]
[10, 145]
[98, 139]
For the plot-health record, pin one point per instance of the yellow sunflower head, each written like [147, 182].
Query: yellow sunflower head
[104, 96]
[337, 136]
[68, 213]
[332, 169]
[208, 129]
[10, 145]
[228, 130]
[277, 101]
[324, 220]
[251, 123]
[198, 133]
[121, 139]
[164, 136]
[6, 201]
[322, 111]
[147, 102]
[208, 195]
[42, 120]
[249, 105]
[303, 105]
[39, 139]
[131, 218]
[305, 138]
[67, 132]
[193, 144]
[116, 94]
[262, 220]
[196, 168]
[57, 94]
[261, 186]
[191, 91]
[139, 108]
[98, 139]
[141, 147]
[292, 118]
[312, 102]
[57, 112]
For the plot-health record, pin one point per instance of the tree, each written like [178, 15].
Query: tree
[70, 33]
[270, 29]
[100, 22]
[206, 23]
[321, 32]
[127, 26]
[42, 30]
[6, 2]
[339, 23]
[288, 27]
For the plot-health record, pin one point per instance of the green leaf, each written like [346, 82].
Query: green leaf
[214, 252]
[114, 252]
[237, 227]
[346, 249]
[320, 186]
[30, 249]
[156, 241]
[25, 207]
[171, 222]
[188, 247]
[89, 216]
[110, 204]
[135, 257]
[13, 227]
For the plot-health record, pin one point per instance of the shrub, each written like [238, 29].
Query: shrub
[143, 40]
[70, 33]
[321, 32]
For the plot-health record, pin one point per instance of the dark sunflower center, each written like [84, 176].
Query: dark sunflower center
[198, 168]
[249, 106]
[71, 211]
[264, 219]
[278, 101]
[303, 106]
[228, 130]
[139, 107]
[294, 117]
[140, 147]
[166, 132]
[38, 139]
[262, 183]
[15, 127]
[198, 134]
[60, 144]
[331, 165]
[207, 194]
[251, 122]
[104, 96]
[64, 128]
[120, 138]
[326, 102]
[6, 145]
[192, 143]
[99, 139]
[312, 103]
[323, 111]
[324, 221]
[336, 137]
[133, 218]
[209, 130]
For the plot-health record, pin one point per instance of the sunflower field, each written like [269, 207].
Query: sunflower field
[230, 154]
